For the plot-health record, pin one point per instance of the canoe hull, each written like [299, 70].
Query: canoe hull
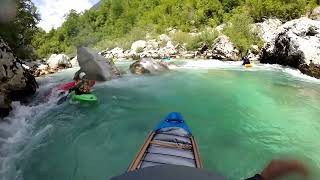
[170, 143]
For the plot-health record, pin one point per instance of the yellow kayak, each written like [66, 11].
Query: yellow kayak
[248, 65]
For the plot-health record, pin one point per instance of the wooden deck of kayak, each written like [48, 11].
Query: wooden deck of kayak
[178, 146]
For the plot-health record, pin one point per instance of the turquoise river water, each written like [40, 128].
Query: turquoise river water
[241, 118]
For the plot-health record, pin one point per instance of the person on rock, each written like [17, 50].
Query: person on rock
[83, 85]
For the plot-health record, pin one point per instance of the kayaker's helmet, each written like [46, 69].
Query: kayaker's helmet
[82, 75]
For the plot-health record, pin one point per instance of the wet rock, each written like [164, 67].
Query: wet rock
[59, 61]
[224, 49]
[147, 66]
[296, 44]
[16, 83]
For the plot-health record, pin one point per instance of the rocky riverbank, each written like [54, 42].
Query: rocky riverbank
[295, 43]
[17, 82]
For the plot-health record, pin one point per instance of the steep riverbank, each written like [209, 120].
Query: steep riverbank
[242, 118]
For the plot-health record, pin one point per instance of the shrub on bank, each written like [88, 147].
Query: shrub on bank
[239, 30]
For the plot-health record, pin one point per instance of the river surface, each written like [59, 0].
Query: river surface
[241, 118]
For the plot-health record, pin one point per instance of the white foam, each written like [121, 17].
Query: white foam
[16, 132]
[237, 65]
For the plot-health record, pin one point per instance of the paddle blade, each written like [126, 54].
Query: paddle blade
[62, 100]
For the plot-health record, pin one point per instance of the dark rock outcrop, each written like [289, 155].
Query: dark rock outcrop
[17, 83]
[297, 44]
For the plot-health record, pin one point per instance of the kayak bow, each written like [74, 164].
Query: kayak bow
[170, 143]
[84, 97]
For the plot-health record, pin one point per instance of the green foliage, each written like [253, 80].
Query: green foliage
[120, 22]
[194, 41]
[240, 32]
[282, 9]
[19, 31]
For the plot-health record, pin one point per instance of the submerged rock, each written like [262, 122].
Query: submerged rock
[296, 44]
[224, 49]
[147, 66]
[96, 66]
[16, 82]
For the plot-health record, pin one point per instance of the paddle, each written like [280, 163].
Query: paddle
[63, 99]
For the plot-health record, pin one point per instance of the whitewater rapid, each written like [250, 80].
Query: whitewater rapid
[17, 133]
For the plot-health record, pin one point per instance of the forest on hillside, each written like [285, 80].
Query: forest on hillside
[120, 22]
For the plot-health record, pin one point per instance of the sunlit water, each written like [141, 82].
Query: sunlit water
[241, 118]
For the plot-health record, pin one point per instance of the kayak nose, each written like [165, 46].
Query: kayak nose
[175, 116]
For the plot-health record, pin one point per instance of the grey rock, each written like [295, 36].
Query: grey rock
[96, 66]
[59, 61]
[16, 83]
[224, 49]
[147, 66]
[296, 44]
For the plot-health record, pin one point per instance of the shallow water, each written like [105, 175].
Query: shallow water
[241, 118]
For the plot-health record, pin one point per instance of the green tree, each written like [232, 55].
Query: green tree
[18, 33]
[240, 31]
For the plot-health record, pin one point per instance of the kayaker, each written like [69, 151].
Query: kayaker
[83, 85]
[245, 60]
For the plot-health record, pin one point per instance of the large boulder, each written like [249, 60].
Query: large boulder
[168, 50]
[267, 30]
[147, 66]
[224, 49]
[315, 14]
[138, 46]
[59, 61]
[117, 52]
[296, 44]
[152, 45]
[96, 66]
[16, 82]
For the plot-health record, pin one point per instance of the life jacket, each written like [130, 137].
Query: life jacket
[85, 88]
